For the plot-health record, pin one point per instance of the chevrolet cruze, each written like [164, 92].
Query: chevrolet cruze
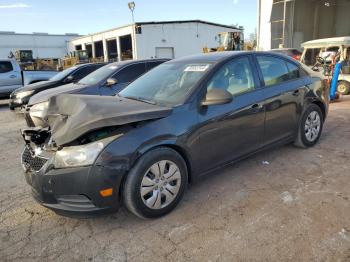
[171, 126]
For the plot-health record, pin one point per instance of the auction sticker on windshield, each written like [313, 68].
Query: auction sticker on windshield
[197, 68]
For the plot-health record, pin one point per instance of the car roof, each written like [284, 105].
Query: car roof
[216, 57]
[128, 62]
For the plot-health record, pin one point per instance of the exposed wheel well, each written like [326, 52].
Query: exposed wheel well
[322, 107]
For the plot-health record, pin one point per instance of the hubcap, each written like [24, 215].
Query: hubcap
[341, 88]
[160, 184]
[312, 126]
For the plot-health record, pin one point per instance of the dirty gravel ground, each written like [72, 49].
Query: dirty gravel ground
[296, 208]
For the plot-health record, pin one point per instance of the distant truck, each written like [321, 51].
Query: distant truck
[12, 77]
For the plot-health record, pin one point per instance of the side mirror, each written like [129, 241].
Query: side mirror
[217, 96]
[69, 79]
[111, 82]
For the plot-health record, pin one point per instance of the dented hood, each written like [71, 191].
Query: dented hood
[71, 116]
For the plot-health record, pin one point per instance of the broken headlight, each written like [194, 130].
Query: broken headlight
[83, 155]
[39, 110]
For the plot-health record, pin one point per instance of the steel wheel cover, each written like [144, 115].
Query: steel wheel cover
[312, 126]
[160, 184]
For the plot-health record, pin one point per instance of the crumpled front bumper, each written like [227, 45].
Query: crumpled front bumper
[72, 191]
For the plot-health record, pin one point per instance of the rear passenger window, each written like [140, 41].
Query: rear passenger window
[293, 71]
[130, 73]
[235, 77]
[5, 67]
[274, 70]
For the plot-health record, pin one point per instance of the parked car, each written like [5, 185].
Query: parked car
[185, 118]
[12, 77]
[319, 51]
[292, 52]
[105, 81]
[21, 96]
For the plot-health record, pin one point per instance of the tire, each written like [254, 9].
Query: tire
[343, 87]
[165, 191]
[310, 128]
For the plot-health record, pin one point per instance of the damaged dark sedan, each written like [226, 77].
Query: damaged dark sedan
[180, 121]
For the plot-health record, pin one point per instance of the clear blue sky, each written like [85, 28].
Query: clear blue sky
[89, 16]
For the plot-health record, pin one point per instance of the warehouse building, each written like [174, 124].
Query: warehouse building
[43, 45]
[289, 23]
[170, 39]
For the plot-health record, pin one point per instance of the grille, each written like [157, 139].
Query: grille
[32, 162]
[29, 120]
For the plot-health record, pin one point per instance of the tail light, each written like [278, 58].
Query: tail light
[296, 57]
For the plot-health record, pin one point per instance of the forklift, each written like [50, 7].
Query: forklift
[74, 58]
[228, 41]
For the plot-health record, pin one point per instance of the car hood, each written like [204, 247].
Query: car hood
[71, 116]
[35, 86]
[47, 94]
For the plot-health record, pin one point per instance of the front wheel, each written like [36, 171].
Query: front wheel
[310, 127]
[156, 184]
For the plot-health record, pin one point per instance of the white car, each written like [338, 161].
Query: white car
[12, 77]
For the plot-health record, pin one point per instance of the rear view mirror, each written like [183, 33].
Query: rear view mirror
[111, 82]
[217, 96]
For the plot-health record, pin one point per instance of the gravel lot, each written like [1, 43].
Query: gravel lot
[294, 207]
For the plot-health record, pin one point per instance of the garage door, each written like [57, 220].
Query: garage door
[165, 52]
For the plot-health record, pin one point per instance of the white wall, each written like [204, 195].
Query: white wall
[264, 32]
[43, 46]
[185, 38]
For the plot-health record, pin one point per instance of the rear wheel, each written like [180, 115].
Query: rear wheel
[310, 127]
[343, 87]
[156, 184]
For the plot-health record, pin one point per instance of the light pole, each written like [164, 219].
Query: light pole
[131, 6]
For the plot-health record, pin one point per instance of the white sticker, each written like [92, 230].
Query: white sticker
[196, 68]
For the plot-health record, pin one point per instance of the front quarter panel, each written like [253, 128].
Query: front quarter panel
[178, 130]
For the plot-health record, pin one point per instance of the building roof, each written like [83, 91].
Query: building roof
[326, 42]
[188, 21]
[165, 22]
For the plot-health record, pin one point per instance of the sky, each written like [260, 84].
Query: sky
[90, 16]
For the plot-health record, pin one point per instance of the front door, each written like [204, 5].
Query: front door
[9, 78]
[232, 130]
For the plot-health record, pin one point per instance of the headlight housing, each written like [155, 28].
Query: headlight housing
[23, 94]
[39, 110]
[83, 155]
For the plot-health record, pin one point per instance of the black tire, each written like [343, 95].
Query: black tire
[132, 187]
[343, 88]
[302, 140]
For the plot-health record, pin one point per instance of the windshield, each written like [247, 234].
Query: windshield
[167, 84]
[63, 74]
[99, 75]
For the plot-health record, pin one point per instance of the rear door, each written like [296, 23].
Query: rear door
[124, 76]
[10, 77]
[284, 89]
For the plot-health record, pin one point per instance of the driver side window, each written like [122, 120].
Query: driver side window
[236, 77]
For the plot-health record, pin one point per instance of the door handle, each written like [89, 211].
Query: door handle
[13, 76]
[256, 108]
[296, 92]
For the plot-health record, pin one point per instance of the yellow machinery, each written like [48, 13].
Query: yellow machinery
[228, 41]
[74, 58]
[27, 62]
